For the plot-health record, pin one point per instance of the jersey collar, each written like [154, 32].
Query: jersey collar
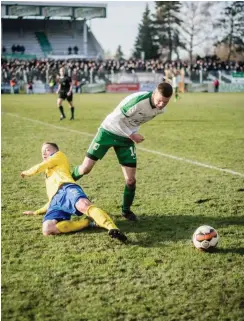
[150, 99]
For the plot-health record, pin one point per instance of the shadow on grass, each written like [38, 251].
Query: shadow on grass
[153, 230]
[239, 251]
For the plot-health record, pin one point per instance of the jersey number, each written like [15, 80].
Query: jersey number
[133, 151]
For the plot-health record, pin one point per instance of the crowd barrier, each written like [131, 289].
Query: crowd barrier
[93, 88]
[7, 89]
[123, 88]
[41, 88]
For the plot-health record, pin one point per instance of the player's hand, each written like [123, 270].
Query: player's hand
[28, 212]
[69, 93]
[22, 174]
[137, 138]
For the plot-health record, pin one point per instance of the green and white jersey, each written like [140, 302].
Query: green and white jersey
[134, 110]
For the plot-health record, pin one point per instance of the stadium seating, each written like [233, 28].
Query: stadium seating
[27, 39]
[49, 37]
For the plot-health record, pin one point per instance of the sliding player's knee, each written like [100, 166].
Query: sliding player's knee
[82, 205]
[49, 228]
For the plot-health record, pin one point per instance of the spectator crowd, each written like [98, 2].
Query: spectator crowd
[80, 69]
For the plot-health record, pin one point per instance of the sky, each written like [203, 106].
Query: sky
[121, 25]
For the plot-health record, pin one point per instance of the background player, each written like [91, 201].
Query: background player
[175, 83]
[65, 92]
[66, 198]
[120, 131]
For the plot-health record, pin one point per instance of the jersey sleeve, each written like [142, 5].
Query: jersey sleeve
[130, 106]
[130, 112]
[50, 163]
[42, 210]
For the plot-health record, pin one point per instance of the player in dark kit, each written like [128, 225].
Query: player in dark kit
[65, 92]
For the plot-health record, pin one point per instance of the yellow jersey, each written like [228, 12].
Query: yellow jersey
[57, 170]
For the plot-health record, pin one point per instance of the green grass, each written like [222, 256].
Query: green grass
[158, 275]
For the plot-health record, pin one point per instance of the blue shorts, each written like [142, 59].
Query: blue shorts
[62, 205]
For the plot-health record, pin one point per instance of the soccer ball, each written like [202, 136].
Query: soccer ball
[205, 238]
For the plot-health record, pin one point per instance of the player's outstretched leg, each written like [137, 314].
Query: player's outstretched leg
[104, 220]
[101, 218]
[83, 169]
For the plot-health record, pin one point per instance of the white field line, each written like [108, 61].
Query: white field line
[229, 171]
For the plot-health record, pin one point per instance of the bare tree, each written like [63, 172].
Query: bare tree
[232, 25]
[197, 25]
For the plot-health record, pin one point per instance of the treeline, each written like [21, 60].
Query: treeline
[191, 27]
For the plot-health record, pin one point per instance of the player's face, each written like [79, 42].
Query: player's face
[47, 151]
[160, 101]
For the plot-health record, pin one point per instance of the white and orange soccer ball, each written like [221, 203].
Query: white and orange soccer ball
[205, 238]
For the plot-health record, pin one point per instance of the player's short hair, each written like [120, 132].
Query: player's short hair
[165, 89]
[52, 144]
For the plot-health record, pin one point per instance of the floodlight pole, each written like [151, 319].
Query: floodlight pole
[200, 72]
[85, 37]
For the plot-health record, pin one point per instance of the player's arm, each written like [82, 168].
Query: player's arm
[40, 211]
[135, 137]
[59, 86]
[71, 87]
[39, 168]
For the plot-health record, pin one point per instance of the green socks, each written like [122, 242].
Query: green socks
[76, 175]
[128, 197]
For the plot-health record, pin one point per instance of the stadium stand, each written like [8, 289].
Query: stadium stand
[37, 40]
[52, 30]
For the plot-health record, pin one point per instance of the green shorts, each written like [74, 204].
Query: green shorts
[124, 147]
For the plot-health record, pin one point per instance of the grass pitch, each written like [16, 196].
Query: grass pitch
[159, 275]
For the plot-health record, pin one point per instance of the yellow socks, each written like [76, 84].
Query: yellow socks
[101, 217]
[72, 226]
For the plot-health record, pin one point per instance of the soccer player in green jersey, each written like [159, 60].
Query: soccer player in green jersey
[120, 131]
[66, 198]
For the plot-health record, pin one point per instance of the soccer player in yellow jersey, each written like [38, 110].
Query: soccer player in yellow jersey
[66, 198]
